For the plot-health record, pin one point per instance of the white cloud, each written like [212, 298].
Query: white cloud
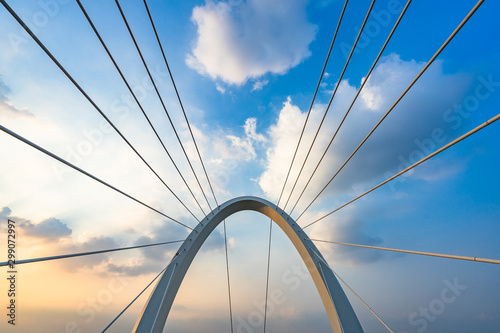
[227, 153]
[241, 147]
[258, 85]
[235, 43]
[220, 89]
[251, 130]
[390, 72]
[231, 147]
[286, 130]
[416, 116]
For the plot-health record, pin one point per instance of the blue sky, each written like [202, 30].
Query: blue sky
[246, 71]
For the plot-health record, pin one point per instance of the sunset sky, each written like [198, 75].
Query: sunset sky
[246, 71]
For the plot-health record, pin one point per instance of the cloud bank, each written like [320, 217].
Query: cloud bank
[419, 113]
[409, 124]
[53, 237]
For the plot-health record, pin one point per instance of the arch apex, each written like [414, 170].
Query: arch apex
[155, 312]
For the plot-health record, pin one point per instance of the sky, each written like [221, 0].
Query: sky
[246, 72]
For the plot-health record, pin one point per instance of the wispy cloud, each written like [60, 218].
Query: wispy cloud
[258, 85]
[7, 108]
[233, 147]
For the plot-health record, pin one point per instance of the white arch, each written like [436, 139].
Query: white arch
[339, 310]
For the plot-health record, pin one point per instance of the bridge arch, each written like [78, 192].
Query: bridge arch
[340, 313]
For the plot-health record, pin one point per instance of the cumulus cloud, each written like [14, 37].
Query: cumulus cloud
[288, 126]
[237, 43]
[49, 229]
[391, 72]
[7, 109]
[413, 120]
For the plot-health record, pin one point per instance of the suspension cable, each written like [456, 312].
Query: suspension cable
[466, 135]
[455, 32]
[84, 93]
[160, 98]
[267, 274]
[199, 156]
[180, 101]
[116, 318]
[37, 147]
[352, 103]
[228, 281]
[295, 154]
[330, 102]
[137, 101]
[82, 254]
[313, 99]
[447, 256]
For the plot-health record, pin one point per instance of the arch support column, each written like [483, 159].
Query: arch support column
[340, 312]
